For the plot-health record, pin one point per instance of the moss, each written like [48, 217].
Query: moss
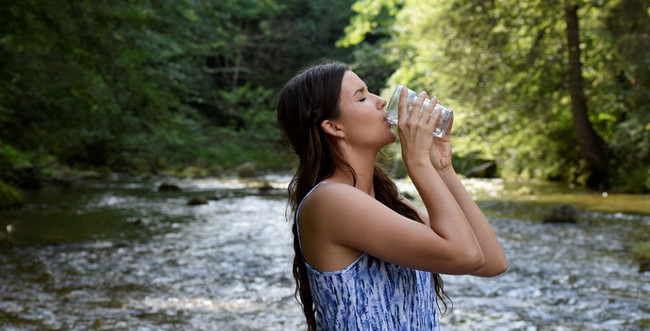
[641, 253]
[9, 196]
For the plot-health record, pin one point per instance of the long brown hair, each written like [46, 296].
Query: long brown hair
[305, 101]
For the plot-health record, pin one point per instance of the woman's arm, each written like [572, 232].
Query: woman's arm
[338, 221]
[445, 215]
[495, 259]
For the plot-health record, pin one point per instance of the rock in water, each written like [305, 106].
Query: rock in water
[200, 200]
[562, 214]
[246, 170]
[166, 187]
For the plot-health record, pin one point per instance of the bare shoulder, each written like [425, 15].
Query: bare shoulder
[328, 218]
[334, 198]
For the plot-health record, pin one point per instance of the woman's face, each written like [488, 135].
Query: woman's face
[363, 118]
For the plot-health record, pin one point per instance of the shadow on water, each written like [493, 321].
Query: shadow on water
[119, 255]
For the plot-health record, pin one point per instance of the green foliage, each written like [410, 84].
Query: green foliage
[367, 35]
[82, 79]
[502, 66]
[372, 17]
[9, 196]
[496, 64]
[148, 86]
[10, 157]
[251, 110]
[144, 86]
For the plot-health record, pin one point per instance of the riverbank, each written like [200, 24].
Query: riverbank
[526, 191]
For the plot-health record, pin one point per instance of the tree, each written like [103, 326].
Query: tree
[368, 34]
[140, 84]
[592, 146]
[503, 66]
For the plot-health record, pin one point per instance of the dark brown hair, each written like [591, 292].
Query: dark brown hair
[306, 100]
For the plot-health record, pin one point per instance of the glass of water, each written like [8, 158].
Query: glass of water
[445, 116]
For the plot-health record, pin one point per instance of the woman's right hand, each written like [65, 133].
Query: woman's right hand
[416, 128]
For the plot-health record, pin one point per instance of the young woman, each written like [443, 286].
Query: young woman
[366, 258]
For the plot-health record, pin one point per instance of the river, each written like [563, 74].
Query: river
[117, 254]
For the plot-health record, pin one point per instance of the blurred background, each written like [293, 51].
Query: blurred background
[142, 175]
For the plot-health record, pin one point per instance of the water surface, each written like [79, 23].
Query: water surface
[119, 255]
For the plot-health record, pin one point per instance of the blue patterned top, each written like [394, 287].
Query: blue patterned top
[371, 294]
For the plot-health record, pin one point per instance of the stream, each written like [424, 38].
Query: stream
[117, 254]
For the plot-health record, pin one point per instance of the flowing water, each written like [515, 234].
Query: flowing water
[119, 255]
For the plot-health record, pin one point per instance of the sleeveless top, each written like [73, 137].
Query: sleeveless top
[371, 294]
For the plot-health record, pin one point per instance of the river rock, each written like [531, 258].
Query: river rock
[641, 253]
[246, 170]
[563, 213]
[194, 172]
[644, 265]
[166, 187]
[265, 187]
[195, 201]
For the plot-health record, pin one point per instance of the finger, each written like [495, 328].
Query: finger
[434, 113]
[416, 107]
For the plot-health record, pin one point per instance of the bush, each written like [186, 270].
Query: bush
[9, 196]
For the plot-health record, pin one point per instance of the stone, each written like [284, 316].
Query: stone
[195, 201]
[246, 170]
[563, 213]
[265, 187]
[166, 187]
[644, 265]
[641, 251]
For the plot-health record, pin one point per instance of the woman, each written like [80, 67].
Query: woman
[365, 255]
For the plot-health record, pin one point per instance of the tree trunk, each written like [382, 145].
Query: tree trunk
[592, 146]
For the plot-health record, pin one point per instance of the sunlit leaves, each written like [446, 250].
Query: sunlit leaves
[369, 15]
[502, 66]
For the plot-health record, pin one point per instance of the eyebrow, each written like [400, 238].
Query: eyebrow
[359, 90]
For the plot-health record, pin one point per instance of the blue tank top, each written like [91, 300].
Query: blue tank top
[371, 294]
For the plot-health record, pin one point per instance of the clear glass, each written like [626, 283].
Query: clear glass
[445, 116]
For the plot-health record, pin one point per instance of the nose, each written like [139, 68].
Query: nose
[381, 102]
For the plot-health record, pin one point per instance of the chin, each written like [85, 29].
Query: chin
[392, 138]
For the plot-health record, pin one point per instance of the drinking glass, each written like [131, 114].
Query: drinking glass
[445, 116]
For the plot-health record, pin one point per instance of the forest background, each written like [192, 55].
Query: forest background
[554, 90]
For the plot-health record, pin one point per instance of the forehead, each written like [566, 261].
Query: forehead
[350, 84]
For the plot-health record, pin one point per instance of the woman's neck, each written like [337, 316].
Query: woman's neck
[364, 167]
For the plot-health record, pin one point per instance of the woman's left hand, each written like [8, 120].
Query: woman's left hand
[441, 150]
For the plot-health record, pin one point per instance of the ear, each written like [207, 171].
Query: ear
[333, 128]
